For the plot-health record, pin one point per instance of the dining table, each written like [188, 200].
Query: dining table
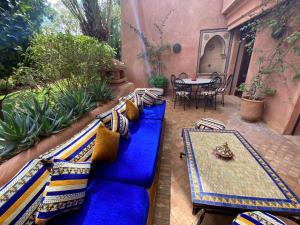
[197, 82]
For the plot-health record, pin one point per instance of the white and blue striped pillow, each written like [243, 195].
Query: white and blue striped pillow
[149, 98]
[21, 196]
[209, 124]
[120, 123]
[65, 191]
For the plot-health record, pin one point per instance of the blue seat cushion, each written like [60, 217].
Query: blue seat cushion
[137, 157]
[156, 112]
[109, 203]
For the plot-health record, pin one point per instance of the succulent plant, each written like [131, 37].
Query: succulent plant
[18, 131]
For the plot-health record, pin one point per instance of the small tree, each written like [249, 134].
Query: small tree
[153, 51]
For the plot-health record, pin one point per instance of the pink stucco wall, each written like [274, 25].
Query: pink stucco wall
[183, 26]
[281, 110]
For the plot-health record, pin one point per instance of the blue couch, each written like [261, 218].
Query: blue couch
[117, 191]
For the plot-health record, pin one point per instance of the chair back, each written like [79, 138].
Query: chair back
[173, 77]
[183, 75]
[216, 83]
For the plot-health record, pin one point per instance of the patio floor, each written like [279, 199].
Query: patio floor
[173, 203]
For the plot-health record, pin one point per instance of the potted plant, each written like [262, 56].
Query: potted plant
[252, 101]
[158, 81]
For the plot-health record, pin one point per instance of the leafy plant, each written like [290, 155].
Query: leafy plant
[18, 131]
[158, 81]
[61, 56]
[76, 100]
[49, 120]
[100, 91]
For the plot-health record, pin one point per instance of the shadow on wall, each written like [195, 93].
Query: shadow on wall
[214, 57]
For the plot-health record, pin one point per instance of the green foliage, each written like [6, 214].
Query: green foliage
[100, 91]
[158, 81]
[283, 21]
[60, 56]
[43, 112]
[75, 100]
[18, 131]
[19, 20]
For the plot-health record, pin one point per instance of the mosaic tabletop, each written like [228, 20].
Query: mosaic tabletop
[244, 182]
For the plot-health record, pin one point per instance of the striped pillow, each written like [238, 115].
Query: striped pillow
[65, 191]
[105, 118]
[130, 97]
[138, 102]
[120, 123]
[149, 98]
[77, 149]
[157, 91]
[209, 124]
[21, 196]
[257, 218]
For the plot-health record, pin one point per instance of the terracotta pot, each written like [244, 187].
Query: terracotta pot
[251, 110]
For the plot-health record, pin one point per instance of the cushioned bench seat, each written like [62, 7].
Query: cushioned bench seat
[137, 157]
[154, 112]
[109, 203]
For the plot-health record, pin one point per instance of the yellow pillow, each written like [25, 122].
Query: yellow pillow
[106, 145]
[132, 111]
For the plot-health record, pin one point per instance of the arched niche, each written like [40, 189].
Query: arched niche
[214, 51]
[213, 58]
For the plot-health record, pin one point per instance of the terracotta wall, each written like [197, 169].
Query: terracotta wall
[281, 110]
[183, 26]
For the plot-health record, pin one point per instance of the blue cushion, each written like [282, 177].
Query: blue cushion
[109, 203]
[137, 157]
[154, 112]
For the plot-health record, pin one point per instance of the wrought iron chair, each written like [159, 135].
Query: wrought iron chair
[182, 92]
[223, 89]
[173, 77]
[209, 92]
[183, 75]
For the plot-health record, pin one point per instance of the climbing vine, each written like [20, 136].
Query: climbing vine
[283, 21]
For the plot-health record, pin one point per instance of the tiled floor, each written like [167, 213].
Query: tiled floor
[173, 205]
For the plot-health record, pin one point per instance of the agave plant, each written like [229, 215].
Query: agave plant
[100, 91]
[48, 119]
[76, 101]
[18, 132]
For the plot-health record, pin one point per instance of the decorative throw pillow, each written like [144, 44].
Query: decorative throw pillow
[106, 145]
[132, 111]
[121, 108]
[149, 98]
[138, 102]
[105, 118]
[21, 196]
[209, 124]
[65, 191]
[119, 123]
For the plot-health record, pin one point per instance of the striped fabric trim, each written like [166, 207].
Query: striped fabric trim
[209, 123]
[121, 108]
[257, 218]
[77, 149]
[105, 118]
[149, 98]
[65, 191]
[130, 97]
[21, 196]
[120, 124]
[157, 91]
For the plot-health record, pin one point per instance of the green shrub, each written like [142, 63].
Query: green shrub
[60, 56]
[18, 131]
[158, 81]
[100, 91]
